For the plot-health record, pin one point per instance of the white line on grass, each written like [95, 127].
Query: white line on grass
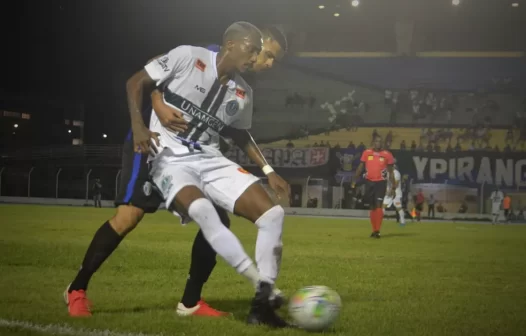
[64, 329]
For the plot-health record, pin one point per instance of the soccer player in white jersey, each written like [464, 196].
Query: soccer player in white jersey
[191, 172]
[395, 200]
[136, 197]
[496, 202]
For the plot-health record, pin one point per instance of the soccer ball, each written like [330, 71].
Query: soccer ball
[315, 308]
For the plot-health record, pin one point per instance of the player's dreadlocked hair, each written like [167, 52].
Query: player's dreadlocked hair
[276, 34]
[239, 30]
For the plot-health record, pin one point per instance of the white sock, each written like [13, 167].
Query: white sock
[268, 244]
[222, 240]
[401, 213]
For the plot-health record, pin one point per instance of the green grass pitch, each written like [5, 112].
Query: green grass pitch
[424, 279]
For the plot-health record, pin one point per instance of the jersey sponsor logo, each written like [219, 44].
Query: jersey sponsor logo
[163, 62]
[370, 157]
[191, 109]
[200, 89]
[232, 107]
[205, 118]
[147, 188]
[240, 93]
[200, 65]
[382, 159]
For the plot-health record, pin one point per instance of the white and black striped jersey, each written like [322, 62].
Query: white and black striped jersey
[188, 78]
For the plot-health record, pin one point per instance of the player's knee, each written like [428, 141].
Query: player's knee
[126, 219]
[272, 219]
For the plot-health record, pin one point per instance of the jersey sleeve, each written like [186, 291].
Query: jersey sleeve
[244, 121]
[397, 176]
[365, 153]
[171, 64]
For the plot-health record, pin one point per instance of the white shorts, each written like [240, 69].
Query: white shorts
[397, 201]
[221, 180]
[495, 209]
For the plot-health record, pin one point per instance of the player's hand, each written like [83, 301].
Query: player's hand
[279, 185]
[142, 138]
[170, 118]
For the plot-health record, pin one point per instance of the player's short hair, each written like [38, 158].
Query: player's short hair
[276, 34]
[239, 30]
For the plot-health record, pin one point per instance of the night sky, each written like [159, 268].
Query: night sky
[84, 51]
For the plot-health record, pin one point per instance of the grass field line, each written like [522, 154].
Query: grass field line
[64, 329]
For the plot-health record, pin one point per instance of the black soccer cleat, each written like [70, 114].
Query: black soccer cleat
[277, 300]
[377, 235]
[372, 235]
[261, 311]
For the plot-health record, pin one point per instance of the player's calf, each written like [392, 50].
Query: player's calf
[255, 205]
[104, 242]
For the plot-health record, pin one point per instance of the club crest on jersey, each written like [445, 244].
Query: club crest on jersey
[163, 62]
[382, 159]
[200, 65]
[232, 106]
[240, 93]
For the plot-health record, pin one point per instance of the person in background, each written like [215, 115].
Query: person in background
[419, 204]
[97, 193]
[431, 206]
[506, 205]
[496, 201]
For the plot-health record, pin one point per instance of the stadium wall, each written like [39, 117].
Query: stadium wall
[289, 211]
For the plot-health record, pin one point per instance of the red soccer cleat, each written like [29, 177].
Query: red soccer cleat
[201, 309]
[78, 303]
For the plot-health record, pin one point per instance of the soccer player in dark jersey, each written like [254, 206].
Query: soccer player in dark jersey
[378, 165]
[137, 197]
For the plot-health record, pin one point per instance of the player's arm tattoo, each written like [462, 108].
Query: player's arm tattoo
[244, 140]
[135, 88]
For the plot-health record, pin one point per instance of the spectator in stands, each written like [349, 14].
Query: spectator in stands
[458, 148]
[449, 149]
[403, 145]
[497, 149]
[472, 147]
[351, 145]
[429, 147]
[290, 144]
[507, 148]
[97, 193]
[374, 135]
[361, 147]
[315, 144]
[413, 145]
[389, 139]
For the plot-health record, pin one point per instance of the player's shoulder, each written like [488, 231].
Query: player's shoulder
[242, 87]
[386, 152]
